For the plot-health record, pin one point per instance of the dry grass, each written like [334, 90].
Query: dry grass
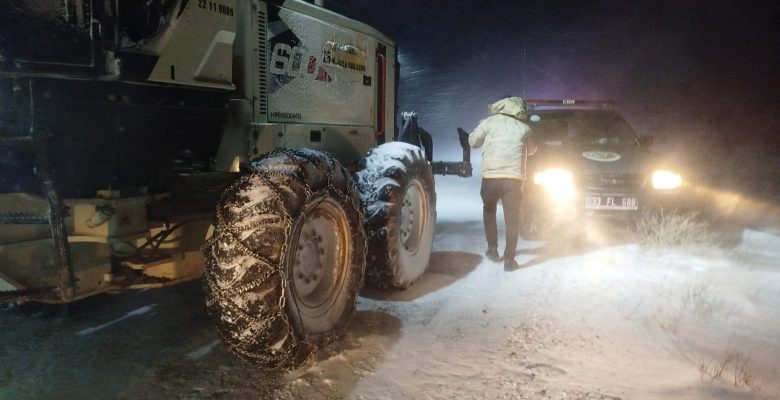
[692, 300]
[662, 229]
[698, 299]
[734, 366]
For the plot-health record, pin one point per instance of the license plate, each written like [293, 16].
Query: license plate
[610, 202]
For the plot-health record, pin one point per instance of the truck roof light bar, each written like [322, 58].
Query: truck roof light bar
[601, 103]
[569, 102]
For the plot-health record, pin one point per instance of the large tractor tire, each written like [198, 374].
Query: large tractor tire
[399, 204]
[286, 259]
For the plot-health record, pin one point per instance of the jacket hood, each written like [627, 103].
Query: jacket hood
[510, 106]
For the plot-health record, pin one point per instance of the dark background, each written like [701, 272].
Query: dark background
[702, 77]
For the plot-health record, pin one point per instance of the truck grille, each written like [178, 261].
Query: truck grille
[262, 61]
[618, 182]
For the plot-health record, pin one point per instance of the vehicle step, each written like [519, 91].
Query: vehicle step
[16, 140]
[23, 218]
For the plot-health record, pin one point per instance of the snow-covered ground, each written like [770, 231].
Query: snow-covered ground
[603, 319]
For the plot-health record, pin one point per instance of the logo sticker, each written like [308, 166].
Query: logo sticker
[601, 156]
[345, 56]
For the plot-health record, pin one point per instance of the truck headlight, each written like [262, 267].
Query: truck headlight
[558, 183]
[666, 180]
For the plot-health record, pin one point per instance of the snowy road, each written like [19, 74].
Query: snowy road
[603, 320]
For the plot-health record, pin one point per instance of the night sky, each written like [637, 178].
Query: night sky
[703, 77]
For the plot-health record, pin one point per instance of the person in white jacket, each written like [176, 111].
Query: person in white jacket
[506, 142]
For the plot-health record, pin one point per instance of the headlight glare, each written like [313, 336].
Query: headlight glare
[666, 180]
[558, 183]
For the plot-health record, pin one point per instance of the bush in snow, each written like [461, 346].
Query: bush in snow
[662, 228]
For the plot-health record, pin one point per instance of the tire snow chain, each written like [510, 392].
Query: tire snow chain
[279, 268]
[323, 171]
[231, 238]
[288, 223]
[349, 195]
[331, 188]
[274, 268]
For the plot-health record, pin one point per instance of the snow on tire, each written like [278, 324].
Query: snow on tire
[399, 204]
[287, 257]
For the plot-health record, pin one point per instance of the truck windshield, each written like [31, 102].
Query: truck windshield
[583, 128]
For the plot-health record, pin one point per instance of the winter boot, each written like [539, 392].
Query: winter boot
[510, 264]
[492, 254]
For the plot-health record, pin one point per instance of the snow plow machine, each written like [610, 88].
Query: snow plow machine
[251, 143]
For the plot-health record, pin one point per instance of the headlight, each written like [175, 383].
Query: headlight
[559, 183]
[666, 180]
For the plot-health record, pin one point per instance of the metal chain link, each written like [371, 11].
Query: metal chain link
[230, 235]
[227, 232]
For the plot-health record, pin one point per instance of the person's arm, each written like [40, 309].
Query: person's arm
[530, 144]
[477, 137]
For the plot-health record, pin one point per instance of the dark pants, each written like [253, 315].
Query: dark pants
[510, 192]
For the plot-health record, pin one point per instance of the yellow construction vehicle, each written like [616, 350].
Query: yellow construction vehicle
[251, 143]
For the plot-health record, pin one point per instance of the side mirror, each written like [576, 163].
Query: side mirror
[646, 141]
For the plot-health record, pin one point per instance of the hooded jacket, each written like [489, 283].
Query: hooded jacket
[503, 138]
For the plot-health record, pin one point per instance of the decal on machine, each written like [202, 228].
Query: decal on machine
[317, 71]
[216, 7]
[288, 62]
[291, 59]
[601, 156]
[287, 115]
[345, 56]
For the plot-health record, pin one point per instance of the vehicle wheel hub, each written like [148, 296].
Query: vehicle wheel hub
[412, 216]
[321, 250]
